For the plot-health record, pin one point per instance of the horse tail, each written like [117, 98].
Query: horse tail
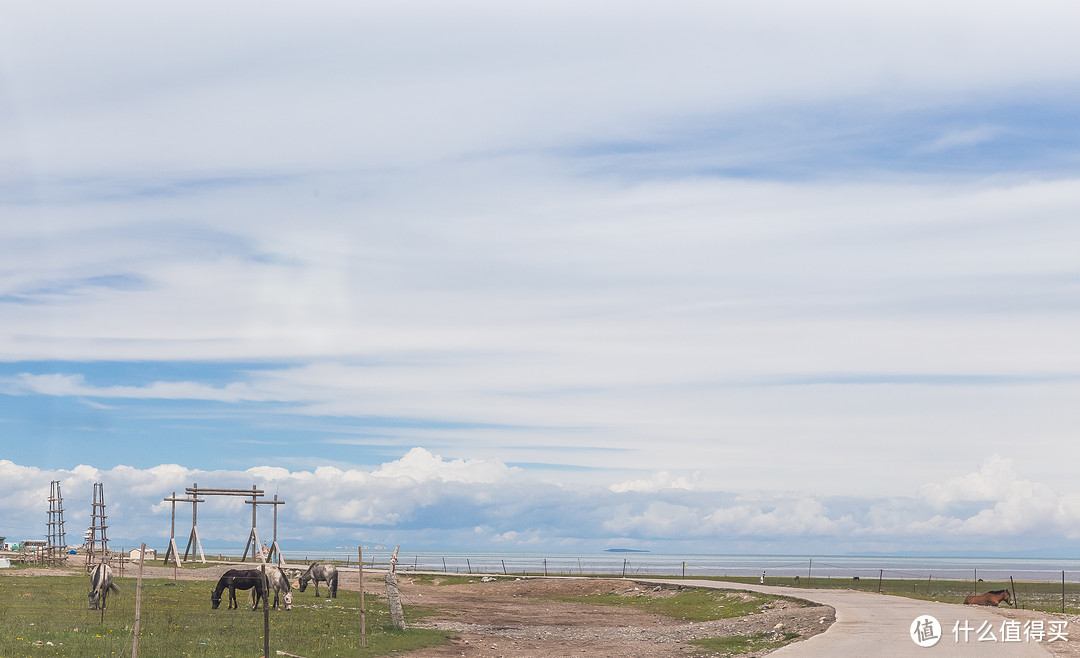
[113, 587]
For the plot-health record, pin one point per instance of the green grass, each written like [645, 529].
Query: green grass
[177, 621]
[737, 645]
[688, 605]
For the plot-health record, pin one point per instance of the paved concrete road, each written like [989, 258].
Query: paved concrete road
[879, 625]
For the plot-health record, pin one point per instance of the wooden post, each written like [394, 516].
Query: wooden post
[138, 603]
[545, 567]
[928, 578]
[1013, 590]
[808, 569]
[363, 611]
[504, 567]
[881, 574]
[975, 583]
[468, 565]
[1063, 591]
[266, 610]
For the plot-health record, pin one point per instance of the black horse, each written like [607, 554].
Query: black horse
[324, 572]
[235, 579]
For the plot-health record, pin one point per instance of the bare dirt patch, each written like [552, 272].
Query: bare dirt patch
[518, 618]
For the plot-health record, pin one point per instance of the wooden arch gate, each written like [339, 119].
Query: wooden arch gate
[195, 543]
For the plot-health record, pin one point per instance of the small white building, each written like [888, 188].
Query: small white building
[151, 554]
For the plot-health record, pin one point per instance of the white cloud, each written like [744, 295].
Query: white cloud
[661, 480]
[961, 138]
[994, 480]
[343, 506]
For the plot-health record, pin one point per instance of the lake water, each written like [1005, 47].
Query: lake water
[634, 563]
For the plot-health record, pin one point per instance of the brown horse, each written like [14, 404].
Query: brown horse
[990, 598]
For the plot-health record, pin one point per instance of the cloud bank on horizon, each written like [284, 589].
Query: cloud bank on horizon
[778, 274]
[426, 502]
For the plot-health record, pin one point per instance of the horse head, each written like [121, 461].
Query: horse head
[215, 599]
[94, 596]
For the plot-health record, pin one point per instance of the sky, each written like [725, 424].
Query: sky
[721, 277]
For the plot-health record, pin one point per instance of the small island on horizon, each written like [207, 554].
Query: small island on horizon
[625, 550]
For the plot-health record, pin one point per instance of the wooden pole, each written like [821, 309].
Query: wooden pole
[808, 570]
[266, 611]
[363, 611]
[138, 603]
[881, 573]
[1063, 591]
[1011, 583]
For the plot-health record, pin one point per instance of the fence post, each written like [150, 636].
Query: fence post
[1013, 590]
[624, 568]
[138, 604]
[504, 567]
[881, 573]
[363, 612]
[266, 612]
[1063, 591]
[545, 567]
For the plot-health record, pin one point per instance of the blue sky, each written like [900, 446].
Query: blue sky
[702, 277]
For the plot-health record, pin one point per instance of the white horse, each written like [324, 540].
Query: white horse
[279, 582]
[324, 572]
[100, 584]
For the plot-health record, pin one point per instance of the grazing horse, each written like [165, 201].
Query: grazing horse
[990, 598]
[324, 572]
[279, 582]
[100, 584]
[236, 579]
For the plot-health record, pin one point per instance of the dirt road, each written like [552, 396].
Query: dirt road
[879, 625]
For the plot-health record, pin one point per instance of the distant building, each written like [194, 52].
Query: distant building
[151, 554]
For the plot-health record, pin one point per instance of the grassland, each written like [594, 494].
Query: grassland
[48, 616]
[688, 605]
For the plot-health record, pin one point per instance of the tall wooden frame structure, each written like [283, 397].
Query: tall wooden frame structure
[97, 536]
[193, 496]
[55, 538]
[172, 551]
